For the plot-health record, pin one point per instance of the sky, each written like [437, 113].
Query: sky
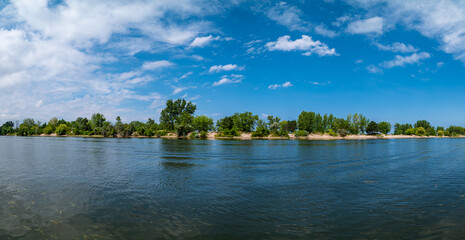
[397, 61]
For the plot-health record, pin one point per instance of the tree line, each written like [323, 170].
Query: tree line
[179, 117]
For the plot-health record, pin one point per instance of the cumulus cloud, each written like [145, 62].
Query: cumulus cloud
[397, 47]
[305, 44]
[227, 67]
[53, 58]
[156, 65]
[284, 85]
[203, 41]
[366, 26]
[403, 60]
[233, 78]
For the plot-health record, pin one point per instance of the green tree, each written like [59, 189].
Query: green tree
[384, 127]
[292, 125]
[372, 128]
[184, 124]
[203, 123]
[420, 131]
[422, 123]
[306, 121]
[245, 122]
[171, 114]
[262, 129]
[62, 129]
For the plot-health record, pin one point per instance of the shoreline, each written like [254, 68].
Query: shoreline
[248, 136]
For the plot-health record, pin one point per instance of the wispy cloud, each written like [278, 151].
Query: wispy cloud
[403, 60]
[397, 47]
[227, 67]
[372, 25]
[284, 85]
[233, 78]
[203, 41]
[156, 65]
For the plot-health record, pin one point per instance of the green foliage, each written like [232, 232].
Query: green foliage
[342, 132]
[420, 131]
[229, 133]
[384, 127]
[245, 122]
[262, 129]
[400, 129]
[440, 133]
[184, 124]
[409, 131]
[307, 122]
[331, 132]
[292, 125]
[203, 123]
[62, 129]
[171, 114]
[301, 133]
[422, 123]
[203, 135]
[372, 128]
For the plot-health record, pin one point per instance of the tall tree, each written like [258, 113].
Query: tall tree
[173, 110]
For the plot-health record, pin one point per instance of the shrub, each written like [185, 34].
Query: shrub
[160, 133]
[48, 129]
[409, 131]
[331, 132]
[62, 129]
[301, 133]
[229, 133]
[342, 132]
[440, 133]
[420, 131]
[261, 132]
[203, 135]
[194, 135]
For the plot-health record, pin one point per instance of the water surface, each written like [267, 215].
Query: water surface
[90, 188]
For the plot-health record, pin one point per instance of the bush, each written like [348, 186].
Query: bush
[331, 132]
[62, 129]
[420, 131]
[229, 133]
[194, 135]
[203, 135]
[301, 133]
[409, 131]
[261, 132]
[160, 133]
[440, 133]
[48, 130]
[342, 132]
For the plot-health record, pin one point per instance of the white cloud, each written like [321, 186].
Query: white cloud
[366, 26]
[53, 59]
[305, 44]
[397, 47]
[227, 67]
[442, 20]
[203, 41]
[320, 83]
[284, 85]
[374, 69]
[178, 90]
[156, 65]
[233, 78]
[289, 16]
[403, 60]
[324, 31]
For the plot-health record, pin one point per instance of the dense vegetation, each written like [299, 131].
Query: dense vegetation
[178, 118]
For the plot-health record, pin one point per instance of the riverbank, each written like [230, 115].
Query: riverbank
[248, 136]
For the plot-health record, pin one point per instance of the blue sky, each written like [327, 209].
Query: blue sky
[396, 61]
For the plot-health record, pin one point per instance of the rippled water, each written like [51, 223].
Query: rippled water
[85, 188]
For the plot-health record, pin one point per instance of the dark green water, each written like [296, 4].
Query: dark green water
[82, 188]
